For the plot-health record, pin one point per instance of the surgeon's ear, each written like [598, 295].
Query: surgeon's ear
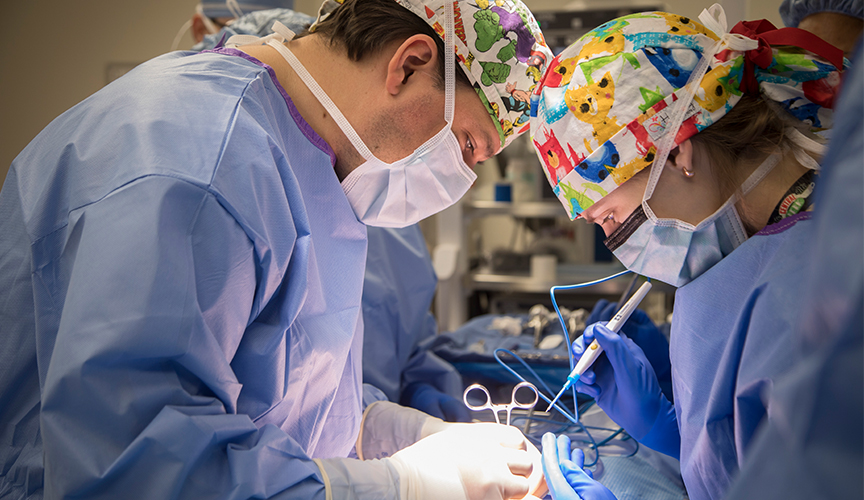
[418, 53]
[681, 158]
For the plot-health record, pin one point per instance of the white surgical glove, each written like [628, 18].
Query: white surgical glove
[448, 461]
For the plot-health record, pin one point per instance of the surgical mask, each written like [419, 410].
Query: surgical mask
[676, 252]
[404, 192]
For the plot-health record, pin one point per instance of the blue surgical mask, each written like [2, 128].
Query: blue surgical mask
[674, 251]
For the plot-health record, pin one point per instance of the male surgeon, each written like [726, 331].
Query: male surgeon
[182, 262]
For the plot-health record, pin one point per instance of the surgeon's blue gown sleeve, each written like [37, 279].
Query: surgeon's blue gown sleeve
[180, 279]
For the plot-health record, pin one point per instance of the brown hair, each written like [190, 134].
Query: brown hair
[748, 133]
[364, 27]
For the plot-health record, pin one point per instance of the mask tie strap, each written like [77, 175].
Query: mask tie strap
[762, 170]
[713, 18]
[803, 145]
[234, 7]
[449, 62]
[319, 93]
[281, 33]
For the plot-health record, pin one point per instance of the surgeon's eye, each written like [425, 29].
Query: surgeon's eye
[469, 145]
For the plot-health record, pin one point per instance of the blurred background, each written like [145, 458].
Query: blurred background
[498, 251]
[56, 53]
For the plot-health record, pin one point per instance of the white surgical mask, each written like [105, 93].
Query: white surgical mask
[404, 192]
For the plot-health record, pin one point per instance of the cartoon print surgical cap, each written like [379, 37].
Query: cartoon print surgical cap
[499, 46]
[602, 107]
[237, 8]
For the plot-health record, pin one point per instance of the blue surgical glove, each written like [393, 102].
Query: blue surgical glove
[565, 477]
[427, 398]
[640, 329]
[626, 388]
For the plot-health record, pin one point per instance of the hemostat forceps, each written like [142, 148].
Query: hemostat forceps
[514, 403]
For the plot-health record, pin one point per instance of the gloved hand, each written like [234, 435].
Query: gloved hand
[427, 398]
[640, 329]
[485, 460]
[626, 388]
[460, 461]
[565, 476]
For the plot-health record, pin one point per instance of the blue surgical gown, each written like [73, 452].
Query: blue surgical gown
[732, 332]
[180, 286]
[397, 294]
[814, 445]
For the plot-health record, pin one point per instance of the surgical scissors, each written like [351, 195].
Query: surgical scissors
[514, 403]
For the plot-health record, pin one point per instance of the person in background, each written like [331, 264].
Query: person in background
[706, 186]
[398, 288]
[212, 17]
[183, 255]
[837, 22]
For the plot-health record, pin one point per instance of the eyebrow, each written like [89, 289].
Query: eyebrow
[488, 150]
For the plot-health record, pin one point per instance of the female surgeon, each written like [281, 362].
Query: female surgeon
[697, 151]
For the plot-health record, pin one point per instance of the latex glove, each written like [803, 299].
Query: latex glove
[428, 399]
[480, 461]
[640, 329]
[565, 476]
[624, 385]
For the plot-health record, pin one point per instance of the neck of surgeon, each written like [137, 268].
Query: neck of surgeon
[378, 95]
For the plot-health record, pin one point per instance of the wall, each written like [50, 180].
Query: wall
[56, 53]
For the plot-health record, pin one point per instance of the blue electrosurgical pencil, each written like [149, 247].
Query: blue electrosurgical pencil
[594, 350]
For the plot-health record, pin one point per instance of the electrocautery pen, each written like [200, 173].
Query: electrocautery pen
[594, 350]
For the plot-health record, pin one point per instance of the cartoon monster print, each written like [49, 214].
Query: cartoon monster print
[627, 170]
[675, 65]
[579, 201]
[713, 94]
[507, 128]
[682, 25]
[592, 104]
[640, 135]
[512, 22]
[823, 90]
[494, 72]
[484, 4]
[487, 25]
[495, 23]
[518, 101]
[558, 163]
[807, 113]
[561, 72]
[610, 44]
[607, 28]
[537, 61]
[590, 67]
[650, 97]
[598, 166]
